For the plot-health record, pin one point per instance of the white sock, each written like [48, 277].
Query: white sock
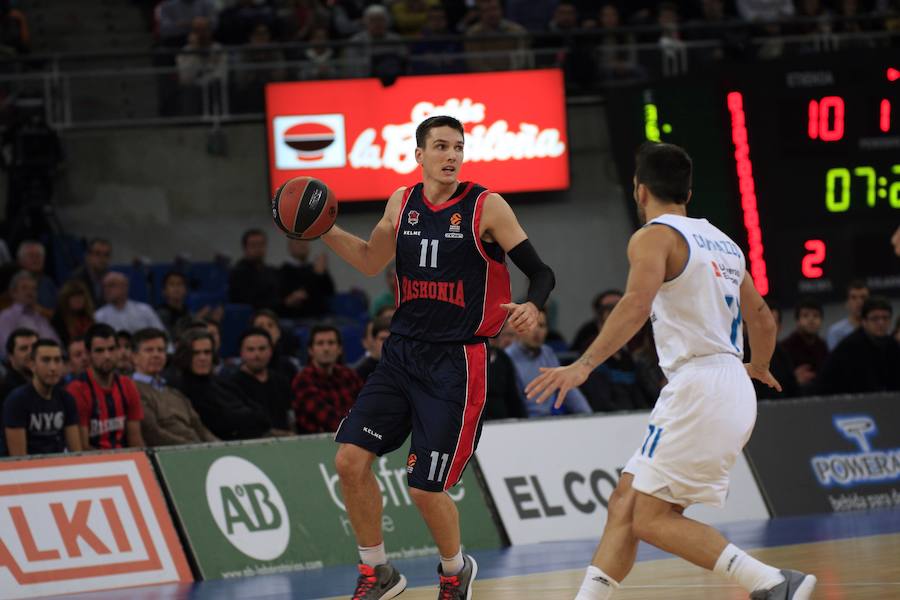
[597, 585]
[373, 556]
[453, 565]
[741, 568]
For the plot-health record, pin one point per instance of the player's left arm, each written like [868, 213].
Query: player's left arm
[647, 254]
[499, 224]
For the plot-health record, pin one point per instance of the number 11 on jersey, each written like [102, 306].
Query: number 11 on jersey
[423, 257]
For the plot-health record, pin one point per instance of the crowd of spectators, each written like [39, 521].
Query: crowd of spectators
[595, 42]
[80, 375]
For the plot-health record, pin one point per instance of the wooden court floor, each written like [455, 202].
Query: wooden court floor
[866, 568]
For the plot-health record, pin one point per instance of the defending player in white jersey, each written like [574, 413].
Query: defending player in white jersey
[691, 280]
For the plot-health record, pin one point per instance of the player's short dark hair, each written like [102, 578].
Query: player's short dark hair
[876, 303]
[250, 233]
[808, 304]
[17, 333]
[98, 331]
[147, 334]
[666, 170]
[251, 331]
[856, 284]
[436, 121]
[44, 343]
[170, 274]
[316, 330]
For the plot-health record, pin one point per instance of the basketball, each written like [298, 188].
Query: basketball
[304, 208]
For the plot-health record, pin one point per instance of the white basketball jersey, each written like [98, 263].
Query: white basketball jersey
[698, 312]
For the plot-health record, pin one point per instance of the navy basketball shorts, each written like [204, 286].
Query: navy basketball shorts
[434, 391]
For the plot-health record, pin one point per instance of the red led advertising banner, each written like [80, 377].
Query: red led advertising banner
[359, 136]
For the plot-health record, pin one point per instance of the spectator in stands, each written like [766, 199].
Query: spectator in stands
[306, 286]
[346, 16]
[764, 10]
[24, 312]
[497, 53]
[78, 361]
[387, 297]
[237, 23]
[376, 51]
[533, 15]
[31, 257]
[503, 399]
[14, 35]
[867, 360]
[806, 349]
[433, 52]
[251, 281]
[377, 331]
[572, 51]
[169, 418]
[410, 16]
[857, 294]
[125, 361]
[812, 17]
[895, 241]
[529, 355]
[284, 344]
[74, 311]
[222, 406]
[674, 50]
[109, 406]
[716, 24]
[18, 346]
[257, 64]
[264, 386]
[319, 57]
[614, 385]
[603, 303]
[324, 391]
[41, 417]
[616, 54]
[95, 267]
[176, 18]
[299, 18]
[174, 295]
[119, 311]
[201, 70]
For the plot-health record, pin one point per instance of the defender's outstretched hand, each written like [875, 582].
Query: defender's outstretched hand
[523, 317]
[559, 378]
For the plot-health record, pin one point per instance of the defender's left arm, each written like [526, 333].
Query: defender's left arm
[499, 224]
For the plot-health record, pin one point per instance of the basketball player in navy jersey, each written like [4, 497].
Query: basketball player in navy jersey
[452, 289]
[691, 280]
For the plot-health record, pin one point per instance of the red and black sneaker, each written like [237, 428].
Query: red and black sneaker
[459, 586]
[378, 583]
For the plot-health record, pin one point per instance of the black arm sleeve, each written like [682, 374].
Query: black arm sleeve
[541, 279]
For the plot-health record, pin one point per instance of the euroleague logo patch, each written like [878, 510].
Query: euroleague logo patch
[455, 223]
[310, 142]
[410, 463]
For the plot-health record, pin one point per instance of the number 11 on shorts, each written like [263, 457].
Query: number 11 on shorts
[653, 433]
[437, 457]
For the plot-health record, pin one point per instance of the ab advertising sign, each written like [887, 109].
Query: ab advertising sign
[275, 505]
[844, 454]
[358, 136]
[84, 523]
[551, 479]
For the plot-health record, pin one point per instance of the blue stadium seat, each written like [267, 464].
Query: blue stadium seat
[234, 322]
[197, 300]
[352, 305]
[157, 273]
[352, 336]
[65, 254]
[558, 346]
[208, 276]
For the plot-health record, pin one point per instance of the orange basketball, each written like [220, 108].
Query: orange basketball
[304, 208]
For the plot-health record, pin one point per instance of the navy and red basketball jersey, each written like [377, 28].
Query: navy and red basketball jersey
[450, 283]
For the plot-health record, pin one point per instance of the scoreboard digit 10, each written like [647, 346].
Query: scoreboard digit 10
[799, 161]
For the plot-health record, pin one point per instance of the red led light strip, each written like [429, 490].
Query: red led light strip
[748, 191]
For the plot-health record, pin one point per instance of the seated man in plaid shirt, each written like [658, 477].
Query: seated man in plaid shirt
[324, 391]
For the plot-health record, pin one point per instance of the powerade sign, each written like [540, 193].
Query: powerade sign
[273, 506]
[845, 456]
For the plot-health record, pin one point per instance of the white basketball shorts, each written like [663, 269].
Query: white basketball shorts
[703, 418]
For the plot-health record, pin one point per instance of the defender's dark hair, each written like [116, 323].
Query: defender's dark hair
[808, 304]
[436, 121]
[666, 169]
[98, 331]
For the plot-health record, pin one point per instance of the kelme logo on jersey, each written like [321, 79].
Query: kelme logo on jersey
[247, 508]
[310, 141]
[412, 217]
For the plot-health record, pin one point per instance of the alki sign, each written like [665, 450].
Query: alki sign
[359, 136]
